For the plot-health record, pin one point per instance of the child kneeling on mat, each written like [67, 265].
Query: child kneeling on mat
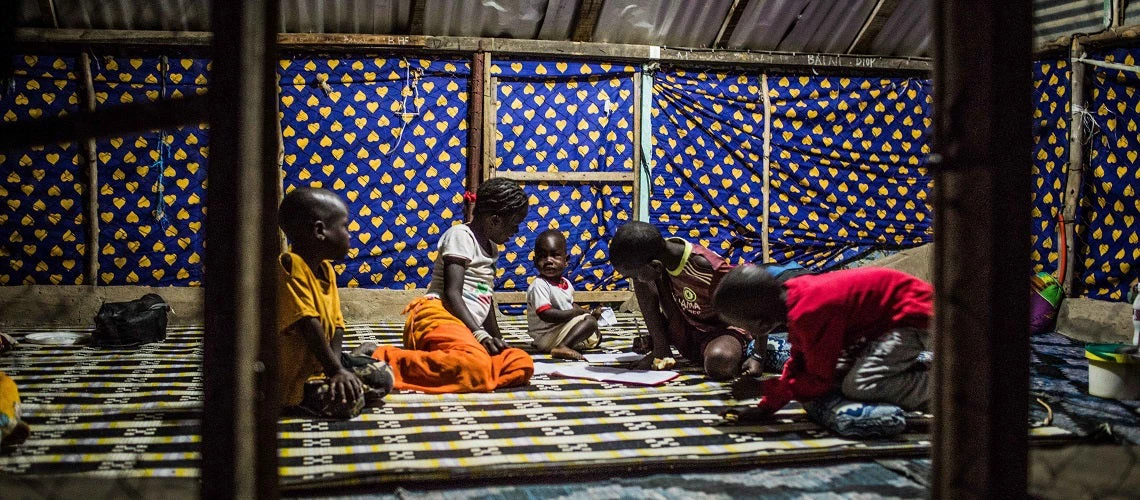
[555, 323]
[861, 329]
[308, 313]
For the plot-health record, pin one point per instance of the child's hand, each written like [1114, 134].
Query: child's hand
[596, 312]
[494, 345]
[747, 416]
[645, 363]
[752, 367]
[345, 384]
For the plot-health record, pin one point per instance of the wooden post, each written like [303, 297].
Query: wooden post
[490, 119]
[981, 171]
[475, 109]
[1074, 179]
[765, 226]
[239, 431]
[643, 186]
[91, 191]
[637, 187]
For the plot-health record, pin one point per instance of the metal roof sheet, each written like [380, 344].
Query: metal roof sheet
[821, 26]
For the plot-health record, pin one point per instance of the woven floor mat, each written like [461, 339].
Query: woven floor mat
[136, 413]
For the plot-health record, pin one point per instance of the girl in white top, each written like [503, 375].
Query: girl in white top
[452, 341]
[464, 272]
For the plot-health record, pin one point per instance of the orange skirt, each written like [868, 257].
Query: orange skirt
[442, 356]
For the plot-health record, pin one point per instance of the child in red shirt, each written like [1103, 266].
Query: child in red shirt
[876, 317]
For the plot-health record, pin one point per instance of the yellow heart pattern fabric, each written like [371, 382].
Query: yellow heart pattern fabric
[389, 137]
[1050, 156]
[41, 188]
[566, 117]
[848, 167]
[1107, 220]
[152, 185]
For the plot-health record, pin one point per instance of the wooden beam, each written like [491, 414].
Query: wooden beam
[729, 25]
[566, 176]
[981, 139]
[239, 436]
[579, 296]
[1074, 179]
[109, 122]
[586, 19]
[872, 26]
[1110, 37]
[91, 162]
[500, 46]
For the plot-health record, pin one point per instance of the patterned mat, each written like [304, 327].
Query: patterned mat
[136, 413]
[1060, 377]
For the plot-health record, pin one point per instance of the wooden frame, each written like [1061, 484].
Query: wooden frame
[500, 46]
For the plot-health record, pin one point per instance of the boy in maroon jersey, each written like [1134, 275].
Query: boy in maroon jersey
[674, 284]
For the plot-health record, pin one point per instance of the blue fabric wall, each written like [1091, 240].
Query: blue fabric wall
[846, 172]
[152, 186]
[1050, 156]
[389, 136]
[1109, 206]
[566, 117]
[706, 184]
[849, 173]
[41, 217]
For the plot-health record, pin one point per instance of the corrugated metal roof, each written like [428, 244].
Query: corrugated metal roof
[1132, 14]
[823, 26]
[675, 23]
[490, 18]
[1053, 19]
[345, 16]
[907, 32]
[166, 15]
[800, 25]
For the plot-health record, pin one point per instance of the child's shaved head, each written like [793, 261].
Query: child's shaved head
[304, 206]
[635, 244]
[751, 298]
[553, 238]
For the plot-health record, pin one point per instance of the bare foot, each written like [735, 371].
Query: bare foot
[562, 352]
[366, 349]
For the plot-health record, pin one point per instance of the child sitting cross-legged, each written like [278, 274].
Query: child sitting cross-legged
[452, 341]
[554, 322]
[308, 313]
[860, 330]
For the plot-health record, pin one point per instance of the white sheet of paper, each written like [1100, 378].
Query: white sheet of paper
[610, 374]
[608, 317]
[541, 368]
[621, 357]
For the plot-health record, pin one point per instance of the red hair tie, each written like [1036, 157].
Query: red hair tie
[469, 197]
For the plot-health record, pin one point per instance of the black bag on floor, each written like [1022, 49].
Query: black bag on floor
[128, 324]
